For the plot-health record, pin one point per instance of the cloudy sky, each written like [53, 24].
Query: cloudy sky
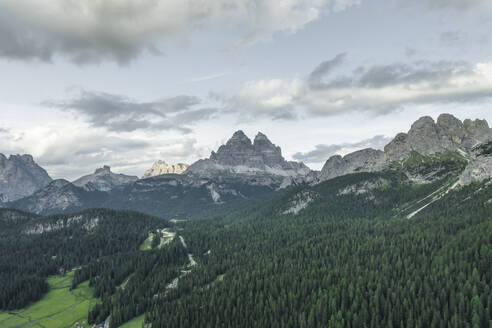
[128, 82]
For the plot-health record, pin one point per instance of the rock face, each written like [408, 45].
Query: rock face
[20, 176]
[241, 156]
[480, 166]
[58, 197]
[161, 167]
[59, 194]
[103, 180]
[427, 137]
[366, 160]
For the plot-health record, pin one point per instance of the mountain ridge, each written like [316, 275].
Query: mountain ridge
[242, 171]
[425, 137]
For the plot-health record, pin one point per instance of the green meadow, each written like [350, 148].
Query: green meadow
[135, 323]
[59, 308]
[147, 244]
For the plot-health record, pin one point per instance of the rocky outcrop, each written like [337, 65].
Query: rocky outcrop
[20, 176]
[427, 137]
[161, 167]
[480, 166]
[103, 180]
[86, 223]
[300, 202]
[241, 156]
[366, 160]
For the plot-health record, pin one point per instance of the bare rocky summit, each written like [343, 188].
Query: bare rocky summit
[448, 134]
[161, 167]
[425, 137]
[103, 180]
[241, 156]
[20, 176]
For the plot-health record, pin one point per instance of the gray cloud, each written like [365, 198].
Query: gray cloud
[88, 32]
[380, 76]
[378, 89]
[325, 68]
[121, 114]
[322, 152]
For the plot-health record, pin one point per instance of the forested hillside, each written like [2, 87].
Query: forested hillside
[365, 249]
[36, 248]
[347, 261]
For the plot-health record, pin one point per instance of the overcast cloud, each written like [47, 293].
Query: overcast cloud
[323, 152]
[378, 89]
[121, 30]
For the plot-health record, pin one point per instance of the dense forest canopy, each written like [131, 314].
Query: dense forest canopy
[351, 258]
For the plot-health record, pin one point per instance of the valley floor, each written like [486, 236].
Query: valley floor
[59, 308]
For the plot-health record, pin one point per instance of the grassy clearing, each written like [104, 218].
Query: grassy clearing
[59, 308]
[147, 244]
[135, 323]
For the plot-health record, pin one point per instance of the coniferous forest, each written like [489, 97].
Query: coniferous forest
[347, 260]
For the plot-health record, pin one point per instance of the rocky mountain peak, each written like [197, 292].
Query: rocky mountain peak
[161, 167]
[26, 158]
[20, 176]
[447, 134]
[239, 138]
[241, 156]
[103, 170]
[103, 180]
[261, 137]
[476, 125]
[237, 151]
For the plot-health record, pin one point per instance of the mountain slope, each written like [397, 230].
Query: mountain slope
[350, 258]
[41, 247]
[60, 196]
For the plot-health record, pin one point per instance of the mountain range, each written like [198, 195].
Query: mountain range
[243, 171]
[393, 237]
